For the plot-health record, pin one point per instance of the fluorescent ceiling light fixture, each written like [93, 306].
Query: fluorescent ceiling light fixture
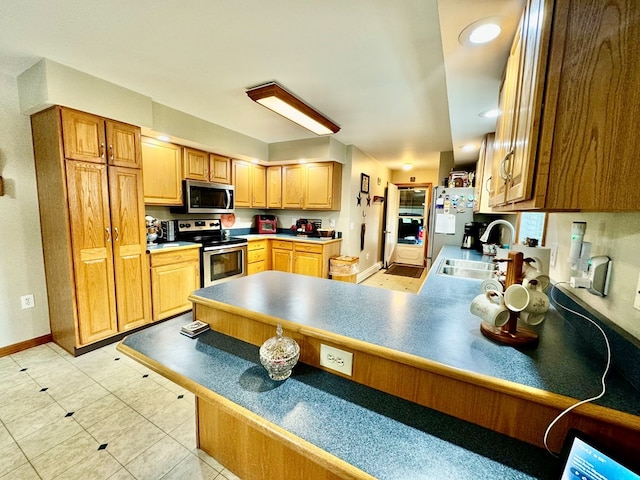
[481, 32]
[468, 147]
[407, 166]
[276, 98]
[493, 113]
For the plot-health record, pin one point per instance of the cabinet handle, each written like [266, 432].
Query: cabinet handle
[487, 184]
[102, 150]
[117, 234]
[108, 230]
[503, 171]
[111, 150]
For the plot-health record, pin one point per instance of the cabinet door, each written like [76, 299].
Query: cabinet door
[162, 172]
[91, 239]
[219, 169]
[281, 260]
[171, 285]
[274, 187]
[123, 145]
[242, 182]
[307, 264]
[258, 186]
[319, 186]
[196, 165]
[527, 117]
[292, 185]
[83, 136]
[504, 147]
[130, 262]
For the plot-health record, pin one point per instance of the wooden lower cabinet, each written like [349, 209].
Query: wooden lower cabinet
[282, 255]
[257, 256]
[174, 276]
[304, 258]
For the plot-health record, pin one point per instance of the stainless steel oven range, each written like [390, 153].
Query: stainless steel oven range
[222, 258]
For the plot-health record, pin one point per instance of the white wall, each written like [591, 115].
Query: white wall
[21, 261]
[379, 176]
[616, 235]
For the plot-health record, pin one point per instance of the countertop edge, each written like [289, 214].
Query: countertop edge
[268, 428]
[507, 387]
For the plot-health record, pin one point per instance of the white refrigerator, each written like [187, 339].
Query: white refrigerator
[449, 210]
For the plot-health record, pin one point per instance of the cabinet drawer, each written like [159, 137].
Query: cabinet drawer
[167, 258]
[256, 255]
[308, 247]
[257, 245]
[256, 267]
[282, 245]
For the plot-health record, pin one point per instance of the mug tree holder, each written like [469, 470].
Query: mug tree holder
[510, 333]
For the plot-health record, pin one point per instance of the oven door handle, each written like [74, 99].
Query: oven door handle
[231, 248]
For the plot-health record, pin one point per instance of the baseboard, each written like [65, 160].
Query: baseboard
[368, 272]
[18, 347]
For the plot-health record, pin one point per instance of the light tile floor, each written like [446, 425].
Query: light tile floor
[97, 416]
[395, 282]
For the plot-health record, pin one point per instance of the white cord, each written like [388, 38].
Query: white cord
[602, 381]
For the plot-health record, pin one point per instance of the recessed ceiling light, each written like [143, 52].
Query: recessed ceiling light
[407, 166]
[492, 113]
[481, 32]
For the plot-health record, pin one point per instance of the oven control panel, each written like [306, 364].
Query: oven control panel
[209, 225]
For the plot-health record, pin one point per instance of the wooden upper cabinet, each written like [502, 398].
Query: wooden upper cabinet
[83, 136]
[292, 186]
[90, 138]
[274, 186]
[219, 169]
[258, 186]
[91, 240]
[162, 172]
[241, 176]
[129, 239]
[323, 186]
[575, 136]
[195, 165]
[123, 145]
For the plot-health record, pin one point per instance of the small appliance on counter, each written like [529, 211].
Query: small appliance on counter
[167, 231]
[267, 223]
[307, 227]
[472, 233]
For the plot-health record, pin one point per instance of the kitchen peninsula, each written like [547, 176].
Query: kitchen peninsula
[423, 350]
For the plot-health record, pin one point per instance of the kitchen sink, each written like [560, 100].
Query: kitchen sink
[467, 269]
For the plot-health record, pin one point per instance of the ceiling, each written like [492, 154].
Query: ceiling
[391, 73]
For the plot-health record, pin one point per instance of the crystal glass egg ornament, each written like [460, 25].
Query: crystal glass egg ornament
[279, 355]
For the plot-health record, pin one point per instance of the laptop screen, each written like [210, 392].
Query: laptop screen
[583, 460]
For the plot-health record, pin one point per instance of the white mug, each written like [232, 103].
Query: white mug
[534, 273]
[516, 297]
[538, 301]
[489, 307]
[531, 318]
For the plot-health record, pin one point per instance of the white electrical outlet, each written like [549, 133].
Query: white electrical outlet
[332, 222]
[336, 359]
[27, 301]
[554, 254]
[636, 302]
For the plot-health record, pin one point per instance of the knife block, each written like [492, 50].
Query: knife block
[511, 333]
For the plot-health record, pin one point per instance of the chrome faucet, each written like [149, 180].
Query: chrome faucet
[485, 236]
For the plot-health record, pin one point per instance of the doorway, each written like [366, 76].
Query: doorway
[406, 232]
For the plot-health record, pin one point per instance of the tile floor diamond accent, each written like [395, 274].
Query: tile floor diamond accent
[98, 416]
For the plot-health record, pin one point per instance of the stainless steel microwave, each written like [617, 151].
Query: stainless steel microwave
[206, 197]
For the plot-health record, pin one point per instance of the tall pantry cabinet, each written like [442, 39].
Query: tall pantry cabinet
[92, 217]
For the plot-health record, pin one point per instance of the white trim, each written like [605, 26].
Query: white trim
[368, 272]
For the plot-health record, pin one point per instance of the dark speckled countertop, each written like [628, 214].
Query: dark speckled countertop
[383, 435]
[435, 324]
